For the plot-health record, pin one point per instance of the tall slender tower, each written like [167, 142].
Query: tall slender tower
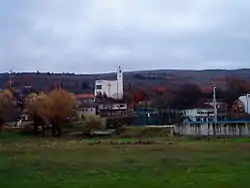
[119, 83]
[215, 103]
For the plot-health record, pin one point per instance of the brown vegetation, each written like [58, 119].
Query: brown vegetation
[6, 99]
[93, 123]
[53, 108]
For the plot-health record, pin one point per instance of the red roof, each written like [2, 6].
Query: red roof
[84, 96]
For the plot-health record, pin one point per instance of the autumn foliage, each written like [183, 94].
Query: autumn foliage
[6, 99]
[53, 108]
[139, 95]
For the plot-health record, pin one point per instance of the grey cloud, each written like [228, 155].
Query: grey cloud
[97, 35]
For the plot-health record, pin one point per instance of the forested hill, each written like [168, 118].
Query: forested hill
[132, 80]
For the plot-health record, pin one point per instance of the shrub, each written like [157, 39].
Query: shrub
[93, 123]
[27, 129]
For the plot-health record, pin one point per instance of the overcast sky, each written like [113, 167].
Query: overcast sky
[86, 36]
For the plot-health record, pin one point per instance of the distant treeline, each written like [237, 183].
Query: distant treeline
[151, 77]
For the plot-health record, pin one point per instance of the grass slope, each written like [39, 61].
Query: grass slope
[27, 162]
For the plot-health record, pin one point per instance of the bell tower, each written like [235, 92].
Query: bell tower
[120, 83]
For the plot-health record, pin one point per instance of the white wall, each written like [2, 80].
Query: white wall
[112, 88]
[90, 110]
[114, 106]
[106, 87]
[120, 83]
[246, 101]
[219, 130]
[201, 113]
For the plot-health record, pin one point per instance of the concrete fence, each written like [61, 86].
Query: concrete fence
[213, 130]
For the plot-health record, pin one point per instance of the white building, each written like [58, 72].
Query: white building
[112, 107]
[87, 110]
[86, 104]
[198, 114]
[245, 99]
[110, 88]
[202, 114]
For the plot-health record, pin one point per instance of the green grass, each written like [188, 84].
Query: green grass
[27, 162]
[142, 131]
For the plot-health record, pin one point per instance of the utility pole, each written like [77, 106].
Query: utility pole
[247, 99]
[215, 103]
[10, 78]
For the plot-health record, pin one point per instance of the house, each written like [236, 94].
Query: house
[245, 99]
[110, 88]
[198, 114]
[85, 98]
[86, 104]
[87, 109]
[203, 113]
[111, 107]
[115, 111]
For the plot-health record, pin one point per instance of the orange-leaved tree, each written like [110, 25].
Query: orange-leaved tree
[53, 108]
[61, 106]
[6, 99]
[36, 107]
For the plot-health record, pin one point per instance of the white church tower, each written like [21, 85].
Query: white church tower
[111, 88]
[120, 83]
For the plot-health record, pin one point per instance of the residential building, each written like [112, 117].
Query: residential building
[85, 99]
[111, 107]
[203, 113]
[115, 111]
[245, 99]
[198, 114]
[87, 109]
[86, 104]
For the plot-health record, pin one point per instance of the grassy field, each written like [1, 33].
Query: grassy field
[27, 162]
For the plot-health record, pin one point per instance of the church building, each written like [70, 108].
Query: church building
[111, 88]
